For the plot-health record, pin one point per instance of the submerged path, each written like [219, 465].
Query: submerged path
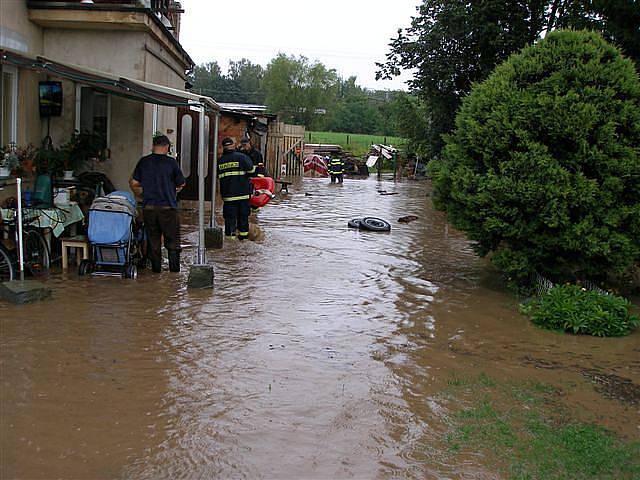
[320, 354]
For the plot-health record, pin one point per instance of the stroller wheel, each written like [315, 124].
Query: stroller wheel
[85, 268]
[131, 271]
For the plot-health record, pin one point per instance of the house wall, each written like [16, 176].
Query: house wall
[119, 52]
[127, 140]
[231, 126]
[17, 32]
[166, 72]
[126, 52]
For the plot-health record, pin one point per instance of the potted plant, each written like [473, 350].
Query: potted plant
[49, 160]
[82, 147]
[9, 161]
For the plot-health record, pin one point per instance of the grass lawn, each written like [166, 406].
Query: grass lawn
[356, 143]
[525, 428]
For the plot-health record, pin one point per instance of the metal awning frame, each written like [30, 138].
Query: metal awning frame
[139, 91]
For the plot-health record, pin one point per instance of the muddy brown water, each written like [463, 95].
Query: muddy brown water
[320, 353]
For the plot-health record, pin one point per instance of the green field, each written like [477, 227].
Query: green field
[356, 143]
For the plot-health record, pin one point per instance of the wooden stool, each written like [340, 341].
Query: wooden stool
[79, 241]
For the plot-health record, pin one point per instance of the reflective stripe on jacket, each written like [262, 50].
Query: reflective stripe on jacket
[335, 166]
[234, 169]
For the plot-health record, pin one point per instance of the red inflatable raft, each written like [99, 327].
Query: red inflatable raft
[263, 191]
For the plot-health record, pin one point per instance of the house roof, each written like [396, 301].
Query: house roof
[247, 109]
[109, 83]
[243, 107]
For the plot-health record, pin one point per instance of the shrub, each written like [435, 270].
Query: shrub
[543, 168]
[576, 310]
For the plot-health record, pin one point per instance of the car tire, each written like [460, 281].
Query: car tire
[374, 224]
[354, 223]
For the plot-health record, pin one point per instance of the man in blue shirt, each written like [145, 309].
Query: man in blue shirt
[159, 178]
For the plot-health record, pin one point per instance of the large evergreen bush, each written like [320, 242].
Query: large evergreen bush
[543, 168]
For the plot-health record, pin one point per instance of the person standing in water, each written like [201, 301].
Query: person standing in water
[158, 179]
[234, 171]
[336, 167]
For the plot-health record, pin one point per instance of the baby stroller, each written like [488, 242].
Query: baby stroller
[116, 242]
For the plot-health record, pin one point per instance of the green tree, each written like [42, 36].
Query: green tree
[208, 79]
[543, 168]
[298, 90]
[245, 78]
[242, 83]
[453, 44]
[411, 122]
[355, 110]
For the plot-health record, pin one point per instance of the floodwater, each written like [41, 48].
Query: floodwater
[320, 354]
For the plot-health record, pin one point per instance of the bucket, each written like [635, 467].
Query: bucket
[61, 196]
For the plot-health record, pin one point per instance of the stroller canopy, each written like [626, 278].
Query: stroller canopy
[111, 217]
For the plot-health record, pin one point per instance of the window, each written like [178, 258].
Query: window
[185, 145]
[93, 112]
[9, 110]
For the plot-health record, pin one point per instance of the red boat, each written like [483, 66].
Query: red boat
[263, 191]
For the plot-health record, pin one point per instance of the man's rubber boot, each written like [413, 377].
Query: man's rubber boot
[156, 266]
[174, 260]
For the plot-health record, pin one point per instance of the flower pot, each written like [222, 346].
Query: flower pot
[4, 172]
[68, 175]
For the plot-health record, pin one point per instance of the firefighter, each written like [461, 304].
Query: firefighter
[234, 170]
[335, 168]
[256, 157]
[158, 178]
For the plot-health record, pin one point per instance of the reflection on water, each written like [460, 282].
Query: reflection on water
[319, 354]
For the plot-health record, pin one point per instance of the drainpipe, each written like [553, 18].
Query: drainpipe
[214, 176]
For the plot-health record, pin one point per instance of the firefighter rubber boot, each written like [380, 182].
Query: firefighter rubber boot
[174, 260]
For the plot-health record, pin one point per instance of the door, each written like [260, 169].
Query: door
[187, 152]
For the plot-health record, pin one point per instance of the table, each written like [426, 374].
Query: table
[284, 186]
[57, 218]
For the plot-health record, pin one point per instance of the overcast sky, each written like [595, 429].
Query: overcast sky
[348, 35]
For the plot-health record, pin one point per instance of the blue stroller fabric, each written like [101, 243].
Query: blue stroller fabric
[110, 218]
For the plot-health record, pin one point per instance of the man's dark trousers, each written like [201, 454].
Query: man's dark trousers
[236, 217]
[161, 222]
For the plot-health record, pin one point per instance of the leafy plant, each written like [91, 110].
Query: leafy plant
[49, 160]
[574, 309]
[17, 158]
[543, 169]
[81, 147]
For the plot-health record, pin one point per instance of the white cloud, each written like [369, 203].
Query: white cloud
[348, 35]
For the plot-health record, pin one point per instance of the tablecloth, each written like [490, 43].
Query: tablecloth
[57, 218]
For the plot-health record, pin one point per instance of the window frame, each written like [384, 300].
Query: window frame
[13, 127]
[79, 87]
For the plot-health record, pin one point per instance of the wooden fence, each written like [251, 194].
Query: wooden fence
[285, 145]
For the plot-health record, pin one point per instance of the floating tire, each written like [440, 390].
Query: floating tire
[354, 223]
[374, 224]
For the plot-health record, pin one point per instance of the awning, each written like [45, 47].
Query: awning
[108, 83]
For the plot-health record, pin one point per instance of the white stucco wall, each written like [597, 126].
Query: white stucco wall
[117, 52]
[17, 32]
